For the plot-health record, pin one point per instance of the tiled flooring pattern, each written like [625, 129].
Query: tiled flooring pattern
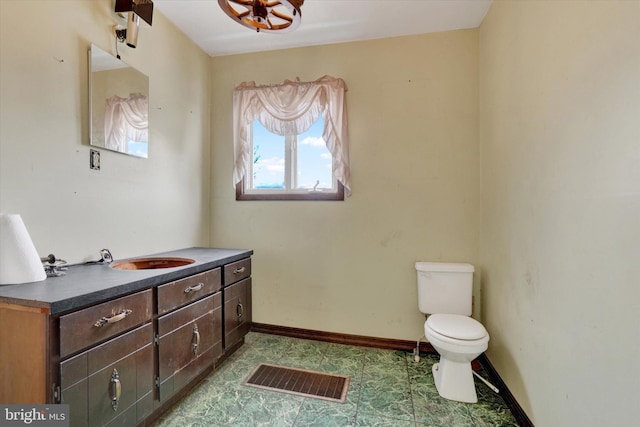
[387, 389]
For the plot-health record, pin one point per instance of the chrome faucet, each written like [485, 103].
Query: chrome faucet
[107, 258]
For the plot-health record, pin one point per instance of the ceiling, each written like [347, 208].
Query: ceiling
[323, 22]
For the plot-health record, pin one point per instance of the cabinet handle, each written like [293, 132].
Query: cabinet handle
[240, 310]
[194, 288]
[239, 270]
[115, 389]
[196, 338]
[113, 319]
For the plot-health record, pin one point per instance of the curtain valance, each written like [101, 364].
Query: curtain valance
[124, 119]
[291, 108]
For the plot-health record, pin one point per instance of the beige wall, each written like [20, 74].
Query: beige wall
[560, 232]
[515, 147]
[349, 266]
[131, 206]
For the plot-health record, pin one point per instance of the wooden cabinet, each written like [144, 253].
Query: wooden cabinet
[124, 359]
[190, 340]
[237, 306]
[237, 302]
[83, 328]
[189, 330]
[111, 382]
[181, 292]
[236, 271]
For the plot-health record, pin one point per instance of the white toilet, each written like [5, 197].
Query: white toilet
[444, 293]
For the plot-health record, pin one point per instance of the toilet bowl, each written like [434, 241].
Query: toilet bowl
[458, 339]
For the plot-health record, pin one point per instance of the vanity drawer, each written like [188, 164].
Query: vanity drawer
[183, 291]
[84, 328]
[237, 271]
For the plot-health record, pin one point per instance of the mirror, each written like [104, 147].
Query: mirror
[119, 105]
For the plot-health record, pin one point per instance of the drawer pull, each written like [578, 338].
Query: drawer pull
[239, 270]
[115, 389]
[113, 319]
[240, 310]
[194, 288]
[196, 339]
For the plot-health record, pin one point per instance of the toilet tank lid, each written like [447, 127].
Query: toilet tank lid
[445, 267]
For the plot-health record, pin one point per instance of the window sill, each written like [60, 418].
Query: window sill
[310, 196]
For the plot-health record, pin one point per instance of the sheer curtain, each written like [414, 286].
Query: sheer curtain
[292, 108]
[124, 119]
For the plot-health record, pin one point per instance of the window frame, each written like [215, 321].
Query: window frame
[304, 101]
[291, 169]
[338, 195]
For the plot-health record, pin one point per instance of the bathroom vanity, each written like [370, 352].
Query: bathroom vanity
[121, 346]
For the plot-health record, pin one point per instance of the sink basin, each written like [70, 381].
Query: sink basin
[151, 263]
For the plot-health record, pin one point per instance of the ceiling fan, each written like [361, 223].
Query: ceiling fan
[265, 15]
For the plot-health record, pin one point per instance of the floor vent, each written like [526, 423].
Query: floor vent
[301, 382]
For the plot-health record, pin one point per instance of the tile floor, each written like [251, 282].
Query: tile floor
[387, 388]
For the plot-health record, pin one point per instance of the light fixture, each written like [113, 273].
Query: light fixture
[133, 10]
[265, 15]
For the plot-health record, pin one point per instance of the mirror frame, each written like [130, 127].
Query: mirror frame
[123, 86]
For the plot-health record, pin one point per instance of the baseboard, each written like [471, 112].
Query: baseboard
[510, 400]
[338, 338]
[393, 344]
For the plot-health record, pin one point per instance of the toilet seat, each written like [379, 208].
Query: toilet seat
[456, 327]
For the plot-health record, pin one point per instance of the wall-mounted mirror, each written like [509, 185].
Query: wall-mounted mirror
[119, 105]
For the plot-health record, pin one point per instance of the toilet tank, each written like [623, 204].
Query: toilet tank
[445, 287]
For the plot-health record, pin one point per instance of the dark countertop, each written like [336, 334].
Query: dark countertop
[86, 284]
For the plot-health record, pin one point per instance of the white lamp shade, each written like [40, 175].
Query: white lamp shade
[19, 260]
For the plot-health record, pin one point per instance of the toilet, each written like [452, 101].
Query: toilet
[445, 295]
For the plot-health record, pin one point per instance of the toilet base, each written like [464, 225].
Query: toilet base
[454, 381]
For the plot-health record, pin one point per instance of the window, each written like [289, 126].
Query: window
[290, 141]
[126, 124]
[291, 166]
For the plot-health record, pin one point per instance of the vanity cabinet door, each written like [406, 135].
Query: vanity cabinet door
[111, 384]
[237, 312]
[73, 379]
[190, 339]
